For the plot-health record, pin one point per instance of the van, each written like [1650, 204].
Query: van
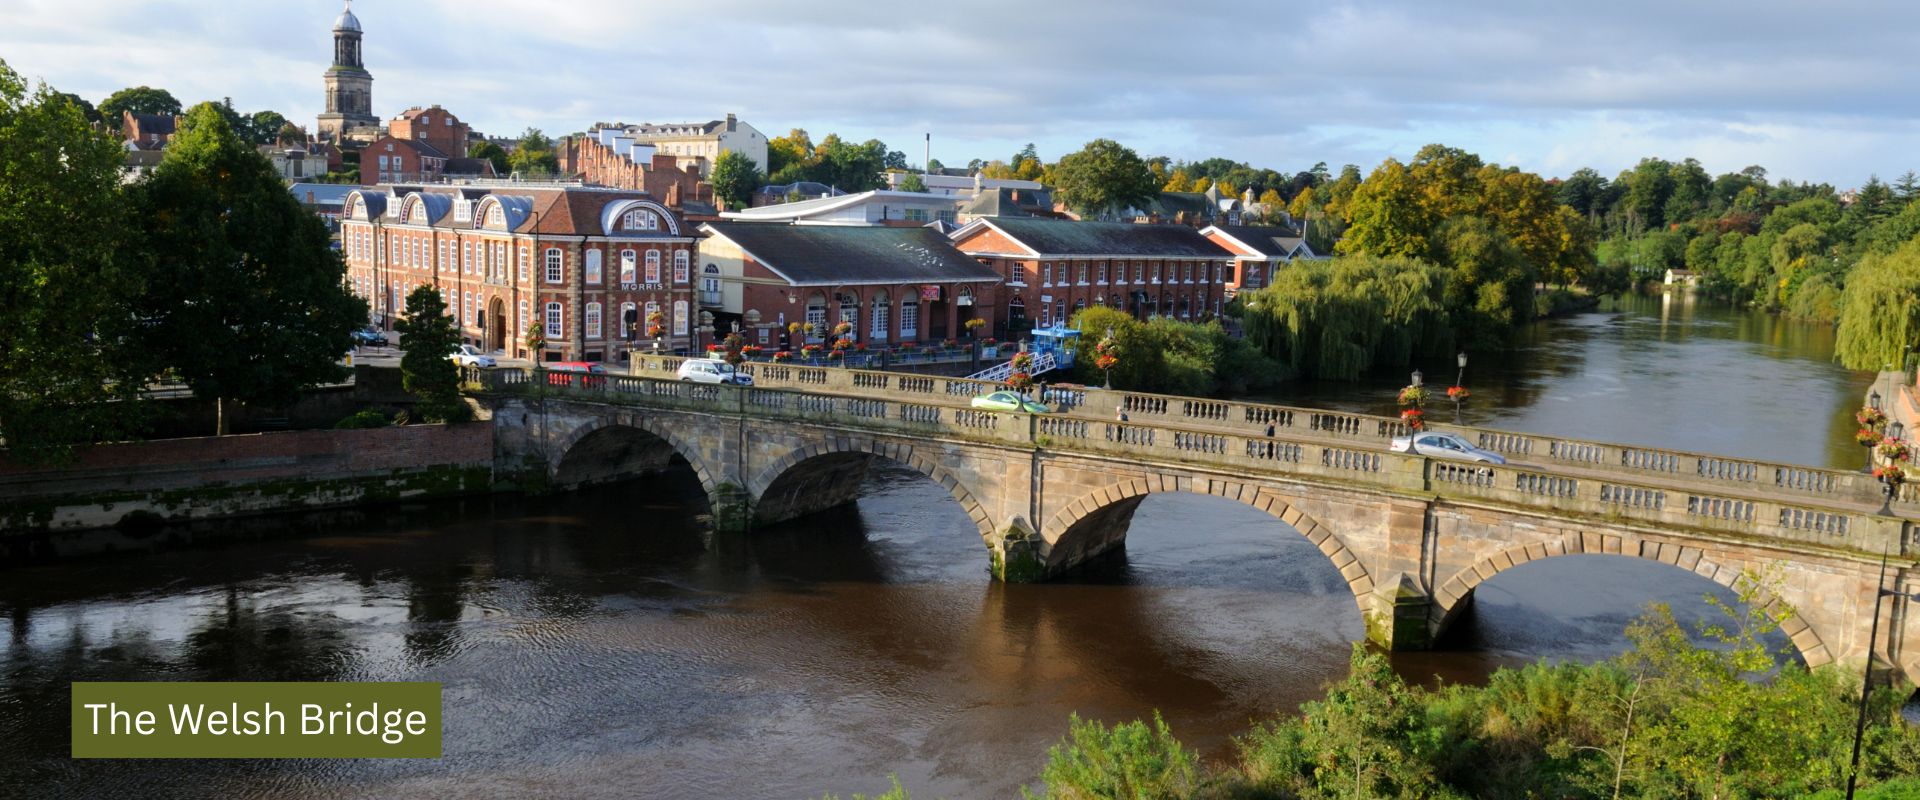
[713, 370]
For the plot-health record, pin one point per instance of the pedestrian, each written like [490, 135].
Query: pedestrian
[1269, 430]
[1120, 414]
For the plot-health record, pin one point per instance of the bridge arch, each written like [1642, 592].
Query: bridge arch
[580, 443]
[1458, 589]
[766, 485]
[1126, 495]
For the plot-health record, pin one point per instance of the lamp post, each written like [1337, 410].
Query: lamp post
[1458, 392]
[1881, 592]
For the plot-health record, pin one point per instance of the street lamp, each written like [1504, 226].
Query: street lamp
[1458, 391]
[1866, 679]
[1873, 400]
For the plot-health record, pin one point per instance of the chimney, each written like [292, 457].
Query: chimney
[731, 123]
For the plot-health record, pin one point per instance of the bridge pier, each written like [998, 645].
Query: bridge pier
[1403, 615]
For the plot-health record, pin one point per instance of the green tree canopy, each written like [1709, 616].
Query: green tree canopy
[1339, 319]
[243, 297]
[1880, 310]
[67, 373]
[735, 178]
[426, 370]
[1103, 178]
[533, 154]
[139, 100]
[265, 127]
[492, 153]
[912, 183]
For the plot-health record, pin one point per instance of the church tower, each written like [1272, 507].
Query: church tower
[349, 84]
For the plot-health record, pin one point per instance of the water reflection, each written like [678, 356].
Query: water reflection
[1649, 370]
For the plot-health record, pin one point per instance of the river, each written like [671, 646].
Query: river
[597, 644]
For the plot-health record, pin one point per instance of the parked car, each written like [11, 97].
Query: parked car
[1444, 445]
[592, 374]
[713, 370]
[1009, 401]
[470, 356]
[369, 337]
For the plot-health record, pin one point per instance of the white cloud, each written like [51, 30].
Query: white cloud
[1546, 86]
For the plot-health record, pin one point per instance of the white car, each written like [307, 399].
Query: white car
[713, 370]
[1444, 445]
[470, 356]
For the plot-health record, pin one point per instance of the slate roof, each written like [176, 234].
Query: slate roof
[827, 255]
[1006, 203]
[1268, 241]
[323, 194]
[1064, 238]
[1168, 204]
[467, 166]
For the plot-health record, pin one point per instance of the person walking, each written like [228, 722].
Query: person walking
[1269, 430]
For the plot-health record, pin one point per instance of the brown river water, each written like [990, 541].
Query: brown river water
[601, 644]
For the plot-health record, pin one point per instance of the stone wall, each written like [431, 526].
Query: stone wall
[140, 483]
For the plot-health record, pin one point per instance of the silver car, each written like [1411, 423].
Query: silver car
[1444, 445]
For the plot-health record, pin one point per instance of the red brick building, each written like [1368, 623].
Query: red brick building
[894, 285]
[1053, 268]
[574, 263]
[421, 145]
[1258, 252]
[637, 168]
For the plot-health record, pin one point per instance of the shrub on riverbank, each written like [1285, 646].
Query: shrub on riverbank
[1171, 356]
[1705, 715]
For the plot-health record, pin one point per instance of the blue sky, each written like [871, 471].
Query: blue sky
[1811, 93]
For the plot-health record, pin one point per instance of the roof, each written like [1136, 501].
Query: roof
[1167, 204]
[1064, 238]
[808, 188]
[1262, 240]
[819, 205]
[1007, 203]
[831, 255]
[347, 21]
[467, 166]
[153, 123]
[325, 194]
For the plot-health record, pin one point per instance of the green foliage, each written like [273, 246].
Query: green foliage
[67, 370]
[735, 178]
[242, 296]
[139, 100]
[492, 153]
[426, 370]
[533, 154]
[1171, 356]
[898, 792]
[1339, 319]
[1129, 760]
[361, 420]
[1103, 178]
[1880, 310]
[913, 183]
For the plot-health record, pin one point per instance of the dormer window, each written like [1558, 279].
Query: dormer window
[496, 217]
[639, 220]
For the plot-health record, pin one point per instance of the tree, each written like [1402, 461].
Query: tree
[1880, 310]
[264, 127]
[934, 166]
[243, 297]
[139, 100]
[1177, 181]
[533, 154]
[1103, 178]
[426, 370]
[792, 150]
[1387, 215]
[492, 153]
[735, 178]
[67, 375]
[1583, 191]
[912, 183]
[93, 114]
[1028, 152]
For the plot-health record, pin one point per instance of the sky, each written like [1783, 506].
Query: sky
[1810, 91]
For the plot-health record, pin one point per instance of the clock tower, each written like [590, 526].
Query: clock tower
[349, 84]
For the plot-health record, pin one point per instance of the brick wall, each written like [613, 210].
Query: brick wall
[228, 475]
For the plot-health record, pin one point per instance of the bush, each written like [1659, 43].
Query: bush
[362, 420]
[1129, 760]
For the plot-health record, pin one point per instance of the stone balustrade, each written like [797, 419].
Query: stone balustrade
[1794, 506]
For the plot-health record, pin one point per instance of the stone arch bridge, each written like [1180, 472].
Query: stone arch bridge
[1411, 536]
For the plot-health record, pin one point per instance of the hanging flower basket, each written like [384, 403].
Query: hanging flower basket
[1893, 450]
[782, 357]
[1106, 361]
[1870, 417]
[1891, 474]
[1415, 418]
[1415, 396]
[1865, 437]
[655, 331]
[1458, 393]
[843, 329]
[836, 355]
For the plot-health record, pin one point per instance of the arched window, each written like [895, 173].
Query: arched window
[653, 266]
[679, 317]
[555, 266]
[909, 317]
[816, 316]
[593, 320]
[495, 216]
[466, 308]
[1100, 301]
[639, 220]
[879, 316]
[629, 267]
[593, 266]
[680, 266]
[554, 329]
[1016, 308]
[850, 310]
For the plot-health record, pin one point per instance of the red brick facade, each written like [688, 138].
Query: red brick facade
[435, 126]
[600, 165]
[568, 262]
[1046, 289]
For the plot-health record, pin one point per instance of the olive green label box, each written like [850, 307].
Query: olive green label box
[256, 720]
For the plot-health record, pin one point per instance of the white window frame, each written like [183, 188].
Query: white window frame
[593, 266]
[681, 266]
[653, 266]
[556, 265]
[593, 321]
[629, 266]
[909, 319]
[679, 317]
[556, 319]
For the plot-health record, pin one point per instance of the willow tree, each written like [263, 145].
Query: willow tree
[1339, 319]
[1880, 310]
